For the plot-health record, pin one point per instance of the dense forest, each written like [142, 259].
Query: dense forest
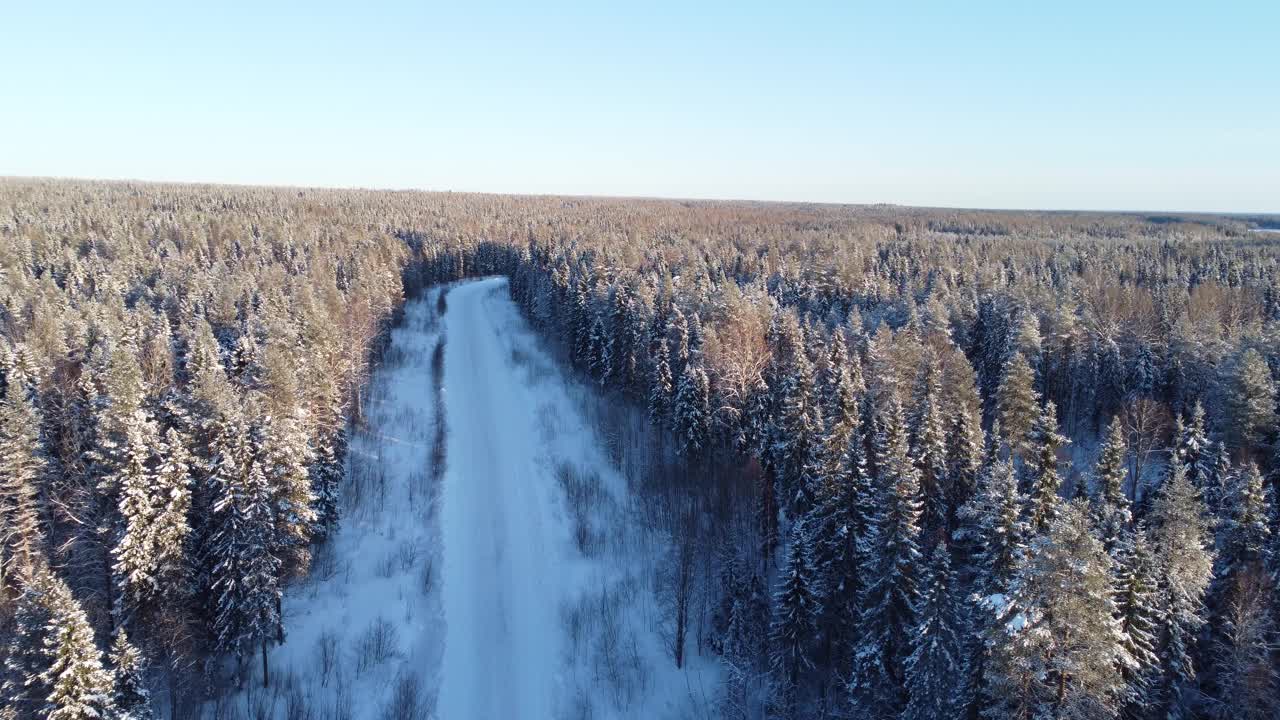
[944, 464]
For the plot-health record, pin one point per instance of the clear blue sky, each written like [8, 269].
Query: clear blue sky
[1115, 104]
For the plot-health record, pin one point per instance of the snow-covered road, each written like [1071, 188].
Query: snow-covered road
[468, 595]
[498, 516]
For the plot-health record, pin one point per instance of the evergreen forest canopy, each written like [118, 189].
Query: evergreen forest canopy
[956, 463]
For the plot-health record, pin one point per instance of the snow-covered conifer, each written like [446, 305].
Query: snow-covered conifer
[1055, 653]
[54, 669]
[131, 698]
[793, 631]
[1018, 403]
[1182, 544]
[660, 387]
[1140, 609]
[245, 575]
[22, 461]
[936, 671]
[1042, 465]
[892, 583]
[691, 420]
[1111, 511]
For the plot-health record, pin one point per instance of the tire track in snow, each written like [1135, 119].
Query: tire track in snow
[502, 638]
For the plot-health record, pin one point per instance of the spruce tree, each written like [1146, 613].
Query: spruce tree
[131, 698]
[1218, 481]
[929, 451]
[1192, 449]
[54, 668]
[839, 525]
[26, 656]
[892, 591]
[22, 461]
[692, 413]
[1111, 505]
[171, 526]
[793, 631]
[991, 527]
[1244, 530]
[329, 440]
[284, 454]
[135, 552]
[1181, 541]
[1251, 400]
[244, 574]
[1018, 403]
[598, 360]
[660, 387]
[936, 670]
[677, 341]
[1042, 466]
[837, 391]
[791, 430]
[1138, 603]
[965, 451]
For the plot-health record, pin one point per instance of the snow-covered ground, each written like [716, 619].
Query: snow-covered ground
[548, 605]
[503, 541]
[514, 582]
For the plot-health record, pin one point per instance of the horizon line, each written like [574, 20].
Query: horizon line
[665, 198]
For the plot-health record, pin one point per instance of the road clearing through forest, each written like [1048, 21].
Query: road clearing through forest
[502, 528]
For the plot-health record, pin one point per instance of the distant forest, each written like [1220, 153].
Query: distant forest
[944, 463]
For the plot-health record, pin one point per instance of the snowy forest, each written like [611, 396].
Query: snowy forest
[915, 463]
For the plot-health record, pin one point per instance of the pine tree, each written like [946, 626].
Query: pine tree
[1018, 403]
[22, 461]
[1054, 653]
[1042, 465]
[692, 412]
[131, 698]
[936, 672]
[1181, 542]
